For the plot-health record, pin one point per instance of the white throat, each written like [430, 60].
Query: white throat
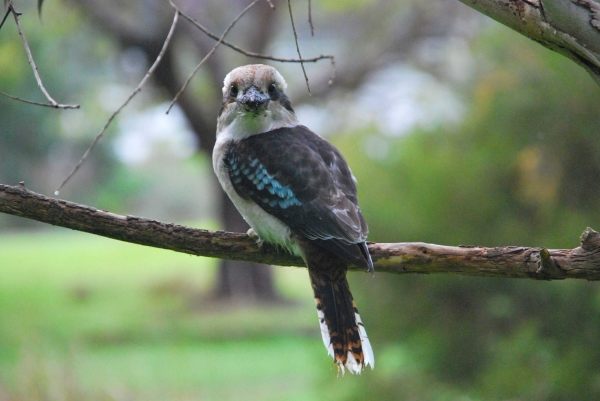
[235, 123]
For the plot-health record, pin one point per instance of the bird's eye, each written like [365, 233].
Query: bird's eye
[272, 89]
[233, 91]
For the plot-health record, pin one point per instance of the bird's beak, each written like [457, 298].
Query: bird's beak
[253, 99]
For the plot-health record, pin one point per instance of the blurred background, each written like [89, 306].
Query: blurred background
[459, 131]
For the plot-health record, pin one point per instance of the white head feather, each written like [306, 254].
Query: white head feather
[236, 122]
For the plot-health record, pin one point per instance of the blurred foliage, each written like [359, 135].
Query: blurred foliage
[522, 168]
[130, 323]
[39, 144]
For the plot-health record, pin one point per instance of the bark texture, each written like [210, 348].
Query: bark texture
[582, 262]
[569, 27]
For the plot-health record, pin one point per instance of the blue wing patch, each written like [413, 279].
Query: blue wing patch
[253, 172]
[310, 188]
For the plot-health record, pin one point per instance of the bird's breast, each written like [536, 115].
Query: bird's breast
[268, 227]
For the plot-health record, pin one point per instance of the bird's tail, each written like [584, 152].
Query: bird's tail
[343, 332]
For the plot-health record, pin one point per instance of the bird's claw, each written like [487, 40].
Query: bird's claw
[254, 236]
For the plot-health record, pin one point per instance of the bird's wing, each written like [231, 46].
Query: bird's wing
[305, 182]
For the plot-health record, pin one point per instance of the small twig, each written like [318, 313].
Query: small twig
[297, 45]
[58, 106]
[53, 102]
[210, 53]
[135, 92]
[333, 72]
[310, 21]
[245, 52]
[548, 268]
[8, 10]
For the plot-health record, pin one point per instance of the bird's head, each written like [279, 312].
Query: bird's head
[254, 102]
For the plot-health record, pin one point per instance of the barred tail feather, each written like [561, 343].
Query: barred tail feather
[342, 330]
[324, 328]
[369, 358]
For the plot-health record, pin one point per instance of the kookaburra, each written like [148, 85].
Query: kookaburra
[296, 191]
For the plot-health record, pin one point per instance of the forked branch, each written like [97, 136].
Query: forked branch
[220, 40]
[51, 102]
[582, 262]
[210, 53]
[125, 103]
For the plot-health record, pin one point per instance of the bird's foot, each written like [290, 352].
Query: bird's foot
[253, 235]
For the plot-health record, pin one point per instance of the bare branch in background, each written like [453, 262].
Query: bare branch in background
[8, 11]
[582, 262]
[220, 40]
[39, 7]
[258, 55]
[187, 81]
[52, 103]
[135, 92]
[59, 106]
[310, 21]
[297, 45]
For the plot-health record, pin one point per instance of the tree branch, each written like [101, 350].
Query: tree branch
[582, 262]
[569, 27]
[249, 53]
[53, 103]
[57, 106]
[125, 103]
[298, 45]
[210, 53]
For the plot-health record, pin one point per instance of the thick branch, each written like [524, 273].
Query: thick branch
[569, 27]
[538, 263]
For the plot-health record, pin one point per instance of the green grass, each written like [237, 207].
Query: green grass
[87, 318]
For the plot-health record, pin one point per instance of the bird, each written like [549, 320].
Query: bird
[296, 191]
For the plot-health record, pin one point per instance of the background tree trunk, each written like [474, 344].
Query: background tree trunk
[238, 281]
[242, 281]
